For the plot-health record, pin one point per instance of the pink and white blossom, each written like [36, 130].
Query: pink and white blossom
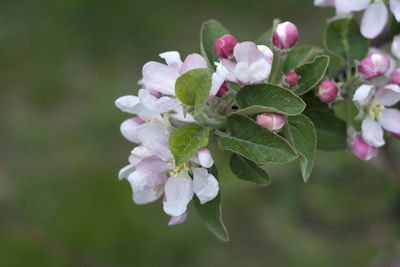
[285, 35]
[272, 121]
[361, 149]
[374, 65]
[250, 63]
[378, 116]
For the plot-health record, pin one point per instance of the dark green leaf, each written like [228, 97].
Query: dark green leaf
[210, 215]
[343, 38]
[300, 131]
[193, 88]
[254, 142]
[210, 31]
[299, 56]
[247, 170]
[331, 131]
[258, 98]
[266, 38]
[185, 141]
[311, 74]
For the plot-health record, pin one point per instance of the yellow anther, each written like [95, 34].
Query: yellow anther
[178, 170]
[157, 189]
[375, 111]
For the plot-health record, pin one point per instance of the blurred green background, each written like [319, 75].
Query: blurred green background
[62, 65]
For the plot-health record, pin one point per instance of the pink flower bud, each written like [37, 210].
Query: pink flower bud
[224, 45]
[374, 65]
[285, 35]
[292, 79]
[327, 91]
[395, 77]
[272, 121]
[362, 150]
[396, 135]
[223, 89]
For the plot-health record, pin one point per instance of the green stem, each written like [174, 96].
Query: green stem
[277, 66]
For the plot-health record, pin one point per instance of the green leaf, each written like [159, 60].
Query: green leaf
[311, 74]
[193, 88]
[211, 217]
[300, 131]
[185, 141]
[299, 56]
[331, 131]
[249, 171]
[343, 38]
[266, 38]
[210, 31]
[255, 142]
[258, 98]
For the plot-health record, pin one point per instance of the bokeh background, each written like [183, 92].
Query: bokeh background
[62, 65]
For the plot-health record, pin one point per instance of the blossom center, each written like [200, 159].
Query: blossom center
[178, 170]
[375, 111]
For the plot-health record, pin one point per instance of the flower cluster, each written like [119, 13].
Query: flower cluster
[374, 18]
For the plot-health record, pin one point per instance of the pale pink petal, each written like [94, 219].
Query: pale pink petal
[138, 154]
[178, 115]
[148, 195]
[243, 73]
[324, 3]
[128, 128]
[132, 104]
[149, 172]
[178, 193]
[374, 20]
[218, 79]
[205, 186]
[348, 6]
[159, 77]
[204, 158]
[160, 105]
[268, 54]
[363, 94]
[396, 46]
[177, 219]
[230, 66]
[173, 59]
[372, 132]
[395, 8]
[247, 52]
[155, 138]
[388, 95]
[390, 120]
[126, 171]
[193, 61]
[260, 70]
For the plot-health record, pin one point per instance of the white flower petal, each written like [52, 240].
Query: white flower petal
[372, 132]
[178, 193]
[388, 95]
[268, 54]
[159, 77]
[390, 120]
[177, 219]
[128, 128]
[127, 103]
[324, 3]
[374, 20]
[230, 66]
[204, 158]
[260, 70]
[396, 46]
[205, 186]
[126, 171]
[218, 78]
[148, 195]
[173, 59]
[159, 105]
[395, 8]
[247, 52]
[363, 94]
[193, 61]
[348, 6]
[155, 138]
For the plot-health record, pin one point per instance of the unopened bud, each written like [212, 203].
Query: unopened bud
[272, 121]
[223, 89]
[395, 77]
[327, 91]
[224, 45]
[292, 79]
[374, 65]
[361, 149]
[285, 36]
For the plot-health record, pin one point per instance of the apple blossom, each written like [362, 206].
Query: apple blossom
[224, 45]
[272, 121]
[250, 63]
[285, 35]
[327, 91]
[378, 116]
